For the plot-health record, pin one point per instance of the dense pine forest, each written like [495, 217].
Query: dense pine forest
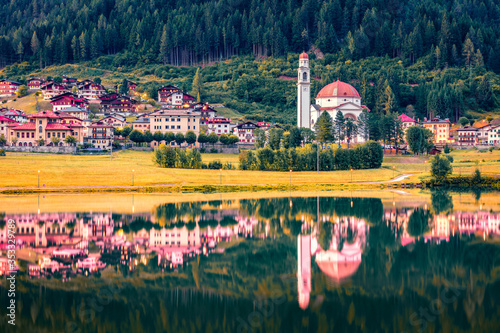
[424, 57]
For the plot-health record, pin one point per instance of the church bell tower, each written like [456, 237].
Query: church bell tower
[304, 92]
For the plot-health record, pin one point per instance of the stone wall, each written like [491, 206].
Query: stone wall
[43, 149]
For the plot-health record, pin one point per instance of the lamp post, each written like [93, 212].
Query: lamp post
[290, 178]
[133, 177]
[38, 178]
[317, 157]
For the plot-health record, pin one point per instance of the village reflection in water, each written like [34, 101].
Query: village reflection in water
[332, 232]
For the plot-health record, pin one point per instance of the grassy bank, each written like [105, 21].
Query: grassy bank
[98, 173]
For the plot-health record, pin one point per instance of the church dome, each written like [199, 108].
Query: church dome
[303, 55]
[338, 89]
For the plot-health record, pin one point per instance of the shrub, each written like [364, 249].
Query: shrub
[214, 165]
[2, 152]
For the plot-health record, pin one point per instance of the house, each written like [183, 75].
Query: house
[482, 134]
[166, 91]
[77, 112]
[244, 132]
[141, 124]
[440, 128]
[113, 102]
[69, 80]
[467, 136]
[53, 89]
[206, 112]
[175, 121]
[100, 135]
[435, 151]
[407, 122]
[131, 85]
[8, 87]
[17, 115]
[494, 135]
[219, 126]
[4, 121]
[115, 120]
[66, 100]
[45, 125]
[264, 125]
[35, 83]
[90, 90]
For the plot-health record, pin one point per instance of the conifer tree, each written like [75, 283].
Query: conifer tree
[197, 86]
[324, 128]
[339, 126]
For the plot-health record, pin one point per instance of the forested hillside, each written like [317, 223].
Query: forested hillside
[183, 32]
[424, 57]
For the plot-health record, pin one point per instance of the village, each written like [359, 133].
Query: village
[178, 119]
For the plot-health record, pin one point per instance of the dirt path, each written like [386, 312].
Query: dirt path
[397, 179]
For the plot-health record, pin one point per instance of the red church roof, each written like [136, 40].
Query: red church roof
[303, 55]
[338, 89]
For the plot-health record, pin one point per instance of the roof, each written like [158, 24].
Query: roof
[67, 95]
[218, 120]
[406, 118]
[26, 126]
[141, 120]
[436, 120]
[248, 123]
[44, 114]
[99, 124]
[15, 82]
[56, 126]
[303, 55]
[173, 112]
[2, 118]
[73, 109]
[338, 89]
[467, 128]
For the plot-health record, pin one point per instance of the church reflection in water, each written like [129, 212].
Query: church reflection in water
[338, 258]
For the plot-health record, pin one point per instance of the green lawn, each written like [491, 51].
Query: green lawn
[19, 169]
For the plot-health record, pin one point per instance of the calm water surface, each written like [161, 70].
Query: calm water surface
[395, 263]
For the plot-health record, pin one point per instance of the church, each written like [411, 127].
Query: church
[334, 97]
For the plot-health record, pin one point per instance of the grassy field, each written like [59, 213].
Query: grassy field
[26, 103]
[21, 170]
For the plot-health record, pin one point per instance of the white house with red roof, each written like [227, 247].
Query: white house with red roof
[67, 100]
[407, 121]
[100, 135]
[35, 83]
[8, 87]
[17, 115]
[219, 126]
[91, 90]
[53, 89]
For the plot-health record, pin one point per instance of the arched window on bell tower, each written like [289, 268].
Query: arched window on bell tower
[304, 76]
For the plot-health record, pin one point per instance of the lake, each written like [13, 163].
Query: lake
[380, 261]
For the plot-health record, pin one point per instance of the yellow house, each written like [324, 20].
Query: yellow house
[45, 125]
[440, 128]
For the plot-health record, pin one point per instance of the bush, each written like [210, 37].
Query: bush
[366, 156]
[2, 152]
[213, 151]
[214, 165]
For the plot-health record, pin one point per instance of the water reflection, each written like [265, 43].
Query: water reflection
[236, 248]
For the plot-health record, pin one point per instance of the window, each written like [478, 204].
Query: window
[178, 127]
[304, 76]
